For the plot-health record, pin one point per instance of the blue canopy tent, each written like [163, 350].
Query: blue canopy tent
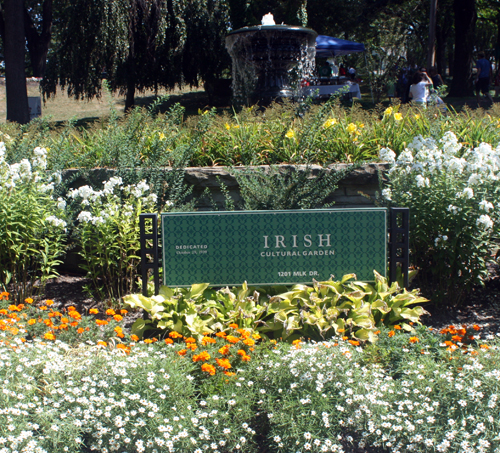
[326, 46]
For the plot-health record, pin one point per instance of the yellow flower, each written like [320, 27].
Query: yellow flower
[290, 134]
[352, 128]
[227, 126]
[417, 116]
[329, 123]
[398, 116]
[388, 111]
[162, 136]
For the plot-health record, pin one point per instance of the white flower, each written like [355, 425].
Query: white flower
[387, 155]
[84, 216]
[387, 194]
[474, 179]
[110, 185]
[422, 182]
[485, 221]
[406, 157]
[38, 151]
[61, 204]
[485, 206]
[468, 192]
[55, 221]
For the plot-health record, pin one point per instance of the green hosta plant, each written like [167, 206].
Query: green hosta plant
[321, 311]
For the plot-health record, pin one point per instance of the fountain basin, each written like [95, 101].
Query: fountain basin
[269, 61]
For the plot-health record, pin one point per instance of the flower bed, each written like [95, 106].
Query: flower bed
[232, 391]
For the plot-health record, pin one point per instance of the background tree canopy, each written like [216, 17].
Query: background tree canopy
[139, 44]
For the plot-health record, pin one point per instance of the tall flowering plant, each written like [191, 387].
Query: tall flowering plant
[32, 225]
[454, 200]
[108, 233]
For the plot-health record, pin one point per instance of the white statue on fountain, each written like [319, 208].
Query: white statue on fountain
[268, 19]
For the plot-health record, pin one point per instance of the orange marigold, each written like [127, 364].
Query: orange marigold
[49, 302]
[201, 357]
[80, 330]
[456, 338]
[101, 322]
[123, 312]
[182, 352]
[248, 342]
[245, 358]
[148, 341]
[74, 324]
[223, 363]
[354, 342]
[225, 349]
[391, 333]
[93, 311]
[232, 339]
[210, 369]
[476, 327]
[169, 341]
[49, 336]
[484, 346]
[241, 352]
[221, 334]
[208, 340]
[397, 327]
[74, 314]
[110, 312]
[31, 321]
[102, 343]
[174, 334]
[233, 325]
[191, 346]
[134, 337]
[229, 373]
[190, 340]
[414, 340]
[117, 318]
[28, 300]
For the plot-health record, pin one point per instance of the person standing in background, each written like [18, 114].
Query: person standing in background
[483, 76]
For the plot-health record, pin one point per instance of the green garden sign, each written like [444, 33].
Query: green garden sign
[272, 247]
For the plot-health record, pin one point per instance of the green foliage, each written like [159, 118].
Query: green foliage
[453, 196]
[288, 188]
[322, 311]
[32, 238]
[144, 141]
[108, 233]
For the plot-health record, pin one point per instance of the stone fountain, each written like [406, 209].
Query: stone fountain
[270, 61]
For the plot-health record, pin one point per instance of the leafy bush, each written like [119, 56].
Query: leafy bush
[325, 310]
[108, 232]
[32, 229]
[454, 200]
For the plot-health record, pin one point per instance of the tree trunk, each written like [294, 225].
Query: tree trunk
[38, 44]
[465, 24]
[15, 75]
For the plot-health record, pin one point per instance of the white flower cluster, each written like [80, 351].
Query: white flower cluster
[113, 201]
[27, 171]
[428, 166]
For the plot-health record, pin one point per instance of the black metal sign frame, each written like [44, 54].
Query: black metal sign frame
[398, 242]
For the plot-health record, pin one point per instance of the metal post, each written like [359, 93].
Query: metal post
[399, 243]
[149, 254]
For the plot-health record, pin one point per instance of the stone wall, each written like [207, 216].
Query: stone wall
[357, 189]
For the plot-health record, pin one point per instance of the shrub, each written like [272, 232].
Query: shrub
[108, 232]
[454, 200]
[32, 229]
